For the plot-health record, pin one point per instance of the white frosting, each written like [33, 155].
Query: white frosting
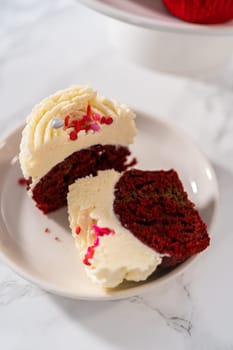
[42, 147]
[118, 256]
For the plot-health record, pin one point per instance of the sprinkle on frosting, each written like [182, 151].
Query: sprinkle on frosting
[78, 230]
[57, 123]
[73, 135]
[89, 121]
[98, 232]
[67, 118]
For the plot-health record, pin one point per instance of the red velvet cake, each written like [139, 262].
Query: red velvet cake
[127, 225]
[69, 135]
[155, 208]
[50, 192]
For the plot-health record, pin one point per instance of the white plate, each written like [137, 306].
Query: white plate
[153, 15]
[54, 265]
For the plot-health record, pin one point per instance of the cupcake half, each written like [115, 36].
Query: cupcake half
[127, 225]
[69, 135]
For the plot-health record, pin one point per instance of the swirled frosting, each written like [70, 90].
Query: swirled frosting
[42, 146]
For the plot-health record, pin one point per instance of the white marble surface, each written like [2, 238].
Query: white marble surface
[48, 45]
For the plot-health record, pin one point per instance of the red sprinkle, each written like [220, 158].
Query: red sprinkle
[66, 122]
[108, 120]
[79, 125]
[86, 118]
[47, 230]
[22, 181]
[89, 254]
[73, 123]
[89, 121]
[78, 230]
[89, 111]
[103, 120]
[99, 231]
[87, 128]
[73, 135]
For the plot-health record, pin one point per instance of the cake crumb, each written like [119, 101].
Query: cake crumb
[47, 230]
[22, 181]
[57, 239]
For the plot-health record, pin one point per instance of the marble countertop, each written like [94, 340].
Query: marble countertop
[48, 45]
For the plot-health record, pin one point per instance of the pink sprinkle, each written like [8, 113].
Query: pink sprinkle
[95, 127]
[96, 117]
[89, 251]
[99, 231]
[97, 242]
[96, 229]
[102, 230]
[106, 231]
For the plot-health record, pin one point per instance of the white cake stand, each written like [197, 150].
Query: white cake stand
[146, 33]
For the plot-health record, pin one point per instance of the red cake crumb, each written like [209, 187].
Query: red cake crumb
[22, 181]
[56, 238]
[155, 208]
[51, 191]
[47, 230]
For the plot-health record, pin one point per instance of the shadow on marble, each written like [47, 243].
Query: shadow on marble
[119, 323]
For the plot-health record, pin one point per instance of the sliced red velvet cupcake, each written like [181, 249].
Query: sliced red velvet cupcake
[69, 135]
[126, 226]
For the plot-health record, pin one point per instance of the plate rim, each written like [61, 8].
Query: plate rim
[137, 289]
[155, 24]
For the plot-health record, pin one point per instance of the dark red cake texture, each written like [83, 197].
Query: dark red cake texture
[154, 206]
[51, 191]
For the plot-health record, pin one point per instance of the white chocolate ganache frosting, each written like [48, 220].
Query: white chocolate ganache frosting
[44, 144]
[110, 252]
